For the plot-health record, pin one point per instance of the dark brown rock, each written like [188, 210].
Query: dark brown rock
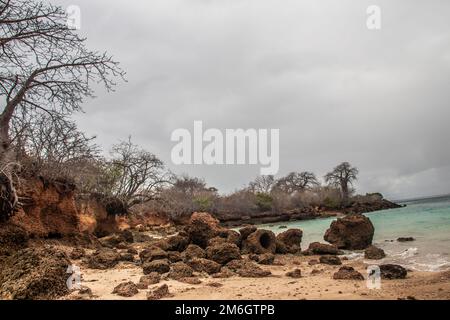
[292, 239]
[193, 251]
[296, 273]
[405, 239]
[392, 271]
[34, 273]
[223, 253]
[204, 265]
[322, 248]
[174, 256]
[246, 268]
[152, 253]
[159, 266]
[347, 273]
[190, 280]
[177, 243]
[330, 259]
[374, 253]
[246, 231]
[352, 232]
[260, 241]
[180, 270]
[103, 259]
[202, 227]
[126, 289]
[159, 293]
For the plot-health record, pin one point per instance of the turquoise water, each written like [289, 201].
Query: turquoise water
[428, 221]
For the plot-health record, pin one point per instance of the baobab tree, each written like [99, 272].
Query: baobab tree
[262, 184]
[297, 182]
[342, 177]
[45, 66]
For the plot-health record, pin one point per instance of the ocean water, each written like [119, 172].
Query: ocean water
[428, 221]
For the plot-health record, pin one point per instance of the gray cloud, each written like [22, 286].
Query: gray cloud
[336, 90]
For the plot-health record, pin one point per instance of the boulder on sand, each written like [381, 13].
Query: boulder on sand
[34, 273]
[374, 253]
[330, 259]
[352, 232]
[246, 268]
[292, 239]
[126, 289]
[193, 251]
[180, 270]
[204, 265]
[347, 273]
[159, 293]
[160, 266]
[246, 231]
[322, 248]
[392, 271]
[202, 227]
[260, 241]
[296, 273]
[223, 252]
[177, 243]
[104, 258]
[152, 253]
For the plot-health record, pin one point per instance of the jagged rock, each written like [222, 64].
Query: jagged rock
[193, 251]
[260, 241]
[174, 256]
[216, 241]
[265, 258]
[392, 271]
[180, 270]
[77, 253]
[374, 253]
[177, 243]
[231, 236]
[104, 258]
[34, 273]
[292, 239]
[281, 247]
[202, 227]
[330, 259]
[347, 273]
[160, 266]
[296, 273]
[248, 269]
[246, 231]
[159, 293]
[126, 289]
[322, 248]
[405, 239]
[152, 253]
[352, 232]
[111, 241]
[223, 253]
[204, 265]
[224, 273]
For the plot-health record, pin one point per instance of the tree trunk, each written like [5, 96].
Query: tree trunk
[8, 194]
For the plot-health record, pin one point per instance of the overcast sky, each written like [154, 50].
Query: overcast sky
[336, 90]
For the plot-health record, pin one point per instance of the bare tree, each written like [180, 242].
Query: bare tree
[297, 182]
[343, 177]
[44, 65]
[262, 184]
[138, 175]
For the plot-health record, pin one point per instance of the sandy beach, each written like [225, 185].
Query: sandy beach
[316, 282]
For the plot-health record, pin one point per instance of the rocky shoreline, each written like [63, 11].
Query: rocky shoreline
[169, 263]
[307, 213]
